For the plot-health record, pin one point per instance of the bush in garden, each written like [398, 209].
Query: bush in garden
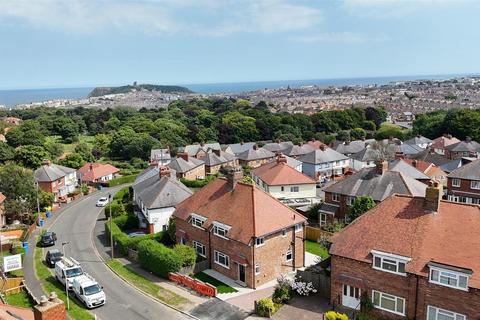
[283, 291]
[126, 221]
[118, 209]
[157, 258]
[265, 307]
[332, 315]
[188, 255]
[303, 288]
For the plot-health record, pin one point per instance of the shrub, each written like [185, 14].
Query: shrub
[126, 221]
[283, 291]
[198, 183]
[187, 254]
[332, 315]
[122, 180]
[118, 209]
[265, 307]
[157, 258]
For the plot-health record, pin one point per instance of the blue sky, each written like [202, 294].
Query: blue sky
[69, 43]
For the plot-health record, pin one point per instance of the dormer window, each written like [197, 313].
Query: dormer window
[197, 220]
[389, 262]
[449, 277]
[220, 229]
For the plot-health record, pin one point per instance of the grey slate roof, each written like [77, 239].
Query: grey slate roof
[239, 147]
[160, 154]
[470, 171]
[328, 208]
[193, 149]
[432, 157]
[291, 162]
[211, 159]
[180, 165]
[368, 182]
[52, 172]
[451, 166]
[367, 154]
[418, 140]
[322, 156]
[408, 149]
[352, 147]
[156, 192]
[464, 146]
[255, 154]
[278, 147]
[295, 151]
[407, 169]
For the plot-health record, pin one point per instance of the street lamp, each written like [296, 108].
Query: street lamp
[66, 278]
[110, 221]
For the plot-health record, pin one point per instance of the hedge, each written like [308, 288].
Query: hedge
[160, 260]
[197, 183]
[126, 221]
[125, 179]
[122, 241]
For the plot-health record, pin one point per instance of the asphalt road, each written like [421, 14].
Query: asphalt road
[76, 225]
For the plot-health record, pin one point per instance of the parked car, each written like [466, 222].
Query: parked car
[66, 270]
[89, 291]
[52, 257]
[102, 202]
[48, 239]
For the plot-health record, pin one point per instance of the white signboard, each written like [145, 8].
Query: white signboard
[12, 263]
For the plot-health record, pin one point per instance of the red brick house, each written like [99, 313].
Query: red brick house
[56, 179]
[412, 257]
[244, 233]
[2, 210]
[463, 184]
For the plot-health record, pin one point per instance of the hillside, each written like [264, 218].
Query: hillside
[101, 91]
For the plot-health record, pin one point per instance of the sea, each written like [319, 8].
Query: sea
[11, 98]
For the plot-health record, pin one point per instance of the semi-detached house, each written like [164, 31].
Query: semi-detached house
[56, 179]
[464, 183]
[412, 257]
[324, 162]
[243, 232]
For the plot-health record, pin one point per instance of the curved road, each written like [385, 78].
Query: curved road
[76, 225]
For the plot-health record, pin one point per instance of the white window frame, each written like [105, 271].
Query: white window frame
[183, 240]
[391, 259]
[295, 189]
[289, 253]
[335, 197]
[383, 295]
[257, 269]
[435, 311]
[323, 218]
[194, 218]
[350, 200]
[259, 241]
[448, 274]
[217, 226]
[197, 245]
[298, 227]
[475, 185]
[217, 254]
[456, 182]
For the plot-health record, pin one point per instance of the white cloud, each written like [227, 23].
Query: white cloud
[208, 17]
[339, 37]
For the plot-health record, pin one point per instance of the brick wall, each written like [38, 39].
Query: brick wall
[194, 174]
[464, 189]
[343, 209]
[467, 303]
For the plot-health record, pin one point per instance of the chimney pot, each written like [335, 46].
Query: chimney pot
[234, 174]
[322, 147]
[53, 296]
[433, 194]
[381, 166]
[281, 158]
[46, 162]
[164, 171]
[43, 300]
[183, 155]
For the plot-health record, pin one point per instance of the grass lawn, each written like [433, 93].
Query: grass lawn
[49, 284]
[316, 249]
[146, 285]
[21, 299]
[221, 287]
[70, 147]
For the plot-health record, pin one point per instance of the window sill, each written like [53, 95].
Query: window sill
[221, 265]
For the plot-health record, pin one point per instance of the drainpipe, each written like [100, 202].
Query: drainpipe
[294, 249]
[254, 284]
[209, 250]
[416, 298]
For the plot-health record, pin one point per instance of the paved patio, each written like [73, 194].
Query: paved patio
[304, 308]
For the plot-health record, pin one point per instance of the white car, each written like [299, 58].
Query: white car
[102, 202]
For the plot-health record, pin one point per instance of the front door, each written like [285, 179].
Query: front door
[241, 273]
[351, 297]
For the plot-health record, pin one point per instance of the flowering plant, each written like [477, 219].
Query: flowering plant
[303, 288]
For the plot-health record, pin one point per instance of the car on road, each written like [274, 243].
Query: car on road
[52, 257]
[102, 202]
[48, 239]
[88, 291]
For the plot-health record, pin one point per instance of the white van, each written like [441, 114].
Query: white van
[67, 269]
[88, 291]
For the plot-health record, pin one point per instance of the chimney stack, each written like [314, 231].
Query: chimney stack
[381, 166]
[164, 171]
[281, 158]
[414, 163]
[51, 308]
[183, 155]
[46, 162]
[217, 152]
[433, 194]
[91, 166]
[234, 174]
[323, 147]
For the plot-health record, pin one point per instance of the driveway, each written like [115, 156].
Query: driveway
[76, 225]
[304, 308]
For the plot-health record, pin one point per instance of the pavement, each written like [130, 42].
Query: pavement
[303, 308]
[75, 224]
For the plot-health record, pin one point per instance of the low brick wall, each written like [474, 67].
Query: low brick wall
[194, 284]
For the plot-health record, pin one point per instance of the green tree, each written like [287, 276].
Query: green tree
[18, 186]
[127, 144]
[67, 129]
[25, 135]
[170, 132]
[85, 151]
[6, 152]
[54, 148]
[377, 115]
[357, 133]
[242, 127]
[31, 156]
[430, 125]
[101, 145]
[361, 205]
[72, 160]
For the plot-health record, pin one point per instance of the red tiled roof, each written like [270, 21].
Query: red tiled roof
[93, 171]
[249, 211]
[2, 197]
[419, 164]
[400, 225]
[279, 173]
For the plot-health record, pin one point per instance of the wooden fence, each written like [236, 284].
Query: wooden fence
[11, 285]
[200, 266]
[314, 234]
[320, 281]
